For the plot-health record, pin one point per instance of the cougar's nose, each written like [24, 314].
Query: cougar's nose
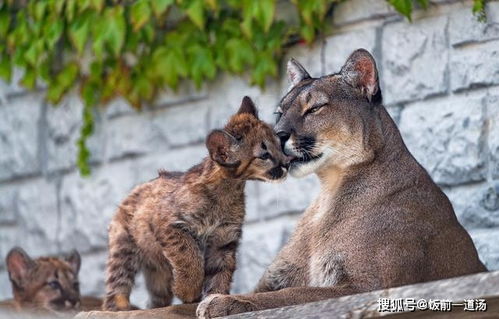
[284, 137]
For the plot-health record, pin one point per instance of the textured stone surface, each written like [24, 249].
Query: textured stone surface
[492, 103]
[19, 136]
[294, 195]
[475, 66]
[486, 243]
[259, 245]
[476, 206]
[464, 27]
[445, 136]
[339, 47]
[348, 11]
[414, 59]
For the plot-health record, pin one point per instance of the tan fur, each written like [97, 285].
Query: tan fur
[379, 221]
[183, 229]
[46, 284]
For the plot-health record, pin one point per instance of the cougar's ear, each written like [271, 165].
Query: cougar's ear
[247, 106]
[360, 72]
[296, 72]
[74, 260]
[18, 265]
[220, 144]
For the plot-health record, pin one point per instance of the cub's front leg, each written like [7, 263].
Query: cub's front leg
[187, 262]
[220, 263]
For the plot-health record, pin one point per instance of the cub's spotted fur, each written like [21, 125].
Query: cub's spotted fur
[183, 229]
[47, 284]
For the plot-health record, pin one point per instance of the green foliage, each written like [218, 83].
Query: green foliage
[136, 48]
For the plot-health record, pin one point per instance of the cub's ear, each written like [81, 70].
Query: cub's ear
[219, 144]
[18, 265]
[247, 106]
[296, 72]
[360, 72]
[74, 260]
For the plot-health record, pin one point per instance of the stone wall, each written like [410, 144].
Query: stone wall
[440, 81]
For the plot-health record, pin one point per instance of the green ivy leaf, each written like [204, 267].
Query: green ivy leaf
[96, 4]
[6, 68]
[116, 29]
[140, 13]
[479, 10]
[202, 64]
[29, 79]
[240, 54]
[53, 33]
[4, 22]
[78, 32]
[195, 11]
[160, 6]
[404, 7]
[265, 13]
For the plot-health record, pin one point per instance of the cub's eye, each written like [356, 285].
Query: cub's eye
[315, 109]
[54, 284]
[264, 156]
[264, 147]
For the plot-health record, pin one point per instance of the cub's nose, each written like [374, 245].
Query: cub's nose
[283, 137]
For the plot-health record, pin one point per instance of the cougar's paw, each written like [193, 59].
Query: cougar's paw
[217, 305]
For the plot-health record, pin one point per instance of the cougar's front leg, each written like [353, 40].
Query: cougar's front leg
[220, 265]
[187, 263]
[224, 305]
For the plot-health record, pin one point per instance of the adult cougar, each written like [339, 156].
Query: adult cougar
[379, 220]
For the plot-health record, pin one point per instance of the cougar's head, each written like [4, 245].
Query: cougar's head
[248, 147]
[48, 283]
[325, 121]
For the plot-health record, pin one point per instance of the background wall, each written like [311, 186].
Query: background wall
[440, 81]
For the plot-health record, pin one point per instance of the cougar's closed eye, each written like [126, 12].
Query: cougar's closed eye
[314, 108]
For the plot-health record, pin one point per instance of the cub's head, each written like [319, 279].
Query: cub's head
[47, 283]
[247, 147]
[326, 122]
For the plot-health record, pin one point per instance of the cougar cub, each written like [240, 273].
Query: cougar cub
[47, 284]
[182, 229]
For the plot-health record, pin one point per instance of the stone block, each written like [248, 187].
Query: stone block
[414, 59]
[474, 66]
[340, 46]
[348, 12]
[486, 243]
[88, 204]
[492, 103]
[476, 206]
[19, 140]
[292, 196]
[446, 135]
[259, 245]
[464, 27]
[181, 125]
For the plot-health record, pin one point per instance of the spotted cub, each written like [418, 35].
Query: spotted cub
[182, 229]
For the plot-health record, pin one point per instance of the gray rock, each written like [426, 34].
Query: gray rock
[259, 245]
[5, 286]
[292, 196]
[340, 46]
[181, 125]
[19, 136]
[133, 135]
[93, 273]
[492, 104]
[474, 66]
[63, 124]
[476, 206]
[8, 90]
[357, 10]
[8, 203]
[88, 204]
[486, 243]
[414, 59]
[445, 136]
[464, 28]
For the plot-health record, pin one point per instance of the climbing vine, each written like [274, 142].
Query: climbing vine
[134, 49]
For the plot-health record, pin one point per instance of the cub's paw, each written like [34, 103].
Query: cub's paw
[187, 293]
[223, 305]
[116, 303]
